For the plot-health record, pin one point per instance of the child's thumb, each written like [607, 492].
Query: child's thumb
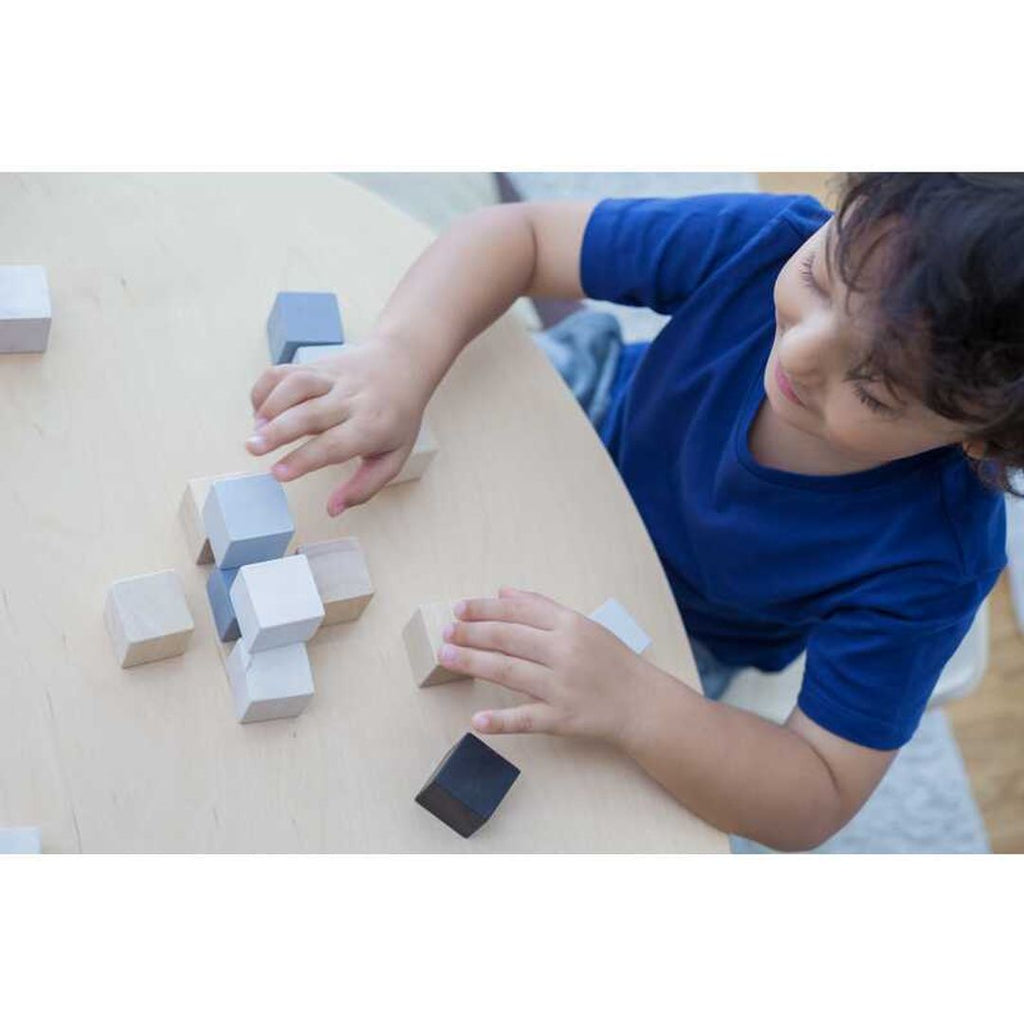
[373, 473]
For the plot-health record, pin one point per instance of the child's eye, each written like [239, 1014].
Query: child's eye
[871, 402]
[806, 268]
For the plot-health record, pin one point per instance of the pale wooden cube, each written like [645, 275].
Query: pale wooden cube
[614, 617]
[148, 618]
[423, 451]
[190, 514]
[342, 578]
[20, 840]
[276, 603]
[277, 683]
[423, 638]
[24, 309]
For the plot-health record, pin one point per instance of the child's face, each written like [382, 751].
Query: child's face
[811, 380]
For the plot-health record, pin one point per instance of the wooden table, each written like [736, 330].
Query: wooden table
[161, 287]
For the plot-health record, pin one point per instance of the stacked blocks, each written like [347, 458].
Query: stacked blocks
[423, 638]
[20, 840]
[423, 452]
[342, 578]
[247, 520]
[621, 624]
[218, 590]
[277, 603]
[301, 319]
[24, 309]
[270, 684]
[311, 353]
[148, 618]
[467, 785]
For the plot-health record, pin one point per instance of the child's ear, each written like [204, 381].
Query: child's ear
[974, 449]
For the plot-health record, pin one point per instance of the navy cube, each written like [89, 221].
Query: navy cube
[467, 785]
[218, 590]
[302, 318]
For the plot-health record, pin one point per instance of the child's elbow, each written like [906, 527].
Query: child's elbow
[806, 831]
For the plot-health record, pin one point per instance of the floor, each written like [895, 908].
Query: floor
[988, 723]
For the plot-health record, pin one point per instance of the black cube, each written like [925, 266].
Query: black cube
[467, 785]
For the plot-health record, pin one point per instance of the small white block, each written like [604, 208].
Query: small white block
[148, 618]
[422, 454]
[423, 638]
[269, 684]
[277, 603]
[342, 578]
[618, 621]
[20, 840]
[311, 353]
[24, 309]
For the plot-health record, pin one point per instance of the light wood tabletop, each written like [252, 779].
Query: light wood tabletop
[161, 286]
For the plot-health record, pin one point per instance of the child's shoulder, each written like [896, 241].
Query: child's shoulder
[975, 516]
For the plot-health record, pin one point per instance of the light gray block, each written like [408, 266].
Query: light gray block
[247, 520]
[311, 353]
[277, 603]
[269, 684]
[20, 840]
[618, 621]
[24, 309]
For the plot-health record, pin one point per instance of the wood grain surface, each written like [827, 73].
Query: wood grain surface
[161, 286]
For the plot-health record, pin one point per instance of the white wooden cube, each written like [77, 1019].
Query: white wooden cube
[423, 638]
[24, 309]
[148, 618]
[342, 578]
[277, 683]
[618, 621]
[20, 840]
[422, 454]
[277, 603]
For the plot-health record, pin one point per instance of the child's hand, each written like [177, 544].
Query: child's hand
[365, 401]
[580, 680]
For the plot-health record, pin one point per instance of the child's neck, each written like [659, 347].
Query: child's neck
[776, 445]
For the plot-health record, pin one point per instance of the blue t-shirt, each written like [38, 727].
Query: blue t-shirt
[877, 574]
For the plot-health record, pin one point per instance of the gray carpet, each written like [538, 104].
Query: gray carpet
[924, 804]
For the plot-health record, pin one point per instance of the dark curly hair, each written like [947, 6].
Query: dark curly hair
[948, 306]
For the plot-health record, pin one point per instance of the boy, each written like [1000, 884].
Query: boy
[801, 440]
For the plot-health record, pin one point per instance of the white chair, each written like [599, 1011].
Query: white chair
[1015, 552]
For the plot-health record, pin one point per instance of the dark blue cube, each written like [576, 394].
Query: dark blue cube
[467, 785]
[218, 590]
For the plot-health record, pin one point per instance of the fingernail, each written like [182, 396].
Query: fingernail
[261, 422]
[481, 720]
[336, 510]
[460, 609]
[256, 443]
[448, 632]
[281, 472]
[447, 654]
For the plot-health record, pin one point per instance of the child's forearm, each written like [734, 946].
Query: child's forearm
[741, 773]
[463, 282]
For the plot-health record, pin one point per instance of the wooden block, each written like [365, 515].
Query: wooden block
[277, 603]
[269, 684]
[218, 590]
[423, 639]
[342, 578]
[247, 520]
[190, 514]
[301, 319]
[618, 621]
[468, 785]
[24, 309]
[148, 618]
[422, 454]
[20, 840]
[311, 353]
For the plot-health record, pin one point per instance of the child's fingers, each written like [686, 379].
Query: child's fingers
[508, 609]
[509, 638]
[373, 473]
[333, 446]
[310, 417]
[266, 382]
[525, 718]
[512, 673]
[294, 388]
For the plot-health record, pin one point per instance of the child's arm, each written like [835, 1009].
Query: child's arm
[790, 787]
[368, 400]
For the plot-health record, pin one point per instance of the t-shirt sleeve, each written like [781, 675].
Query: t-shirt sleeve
[871, 670]
[658, 252]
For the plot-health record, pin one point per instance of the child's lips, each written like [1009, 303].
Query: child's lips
[785, 387]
